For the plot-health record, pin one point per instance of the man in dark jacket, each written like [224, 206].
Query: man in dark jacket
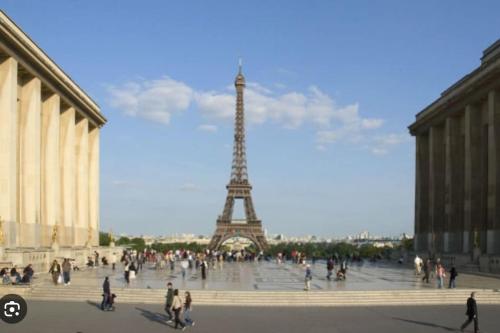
[106, 296]
[427, 270]
[453, 276]
[169, 301]
[471, 314]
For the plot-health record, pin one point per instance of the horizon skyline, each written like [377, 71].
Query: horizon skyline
[327, 113]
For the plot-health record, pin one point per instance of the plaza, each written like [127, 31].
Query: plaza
[268, 276]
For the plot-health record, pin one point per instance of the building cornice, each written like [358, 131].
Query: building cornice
[488, 70]
[33, 55]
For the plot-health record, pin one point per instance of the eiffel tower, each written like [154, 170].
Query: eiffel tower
[239, 188]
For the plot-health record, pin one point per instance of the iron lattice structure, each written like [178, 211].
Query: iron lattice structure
[239, 187]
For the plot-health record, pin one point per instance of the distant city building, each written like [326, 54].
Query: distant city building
[457, 196]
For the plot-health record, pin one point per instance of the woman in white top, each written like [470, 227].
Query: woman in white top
[177, 307]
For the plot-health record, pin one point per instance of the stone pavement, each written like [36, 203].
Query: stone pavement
[61, 317]
[252, 276]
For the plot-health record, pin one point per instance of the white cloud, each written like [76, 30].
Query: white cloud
[154, 100]
[392, 139]
[371, 123]
[379, 151]
[216, 105]
[326, 137]
[381, 144]
[158, 100]
[207, 128]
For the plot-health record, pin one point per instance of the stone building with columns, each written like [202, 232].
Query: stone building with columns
[49, 156]
[457, 194]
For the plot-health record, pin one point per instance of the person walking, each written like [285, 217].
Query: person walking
[427, 271]
[184, 267]
[107, 298]
[177, 307]
[66, 269]
[453, 276]
[329, 268]
[169, 300]
[126, 272]
[112, 259]
[55, 270]
[188, 303]
[204, 266]
[471, 313]
[440, 274]
[308, 277]
[418, 265]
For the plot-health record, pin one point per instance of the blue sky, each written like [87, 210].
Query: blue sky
[332, 86]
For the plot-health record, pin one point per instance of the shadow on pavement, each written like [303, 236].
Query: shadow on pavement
[423, 323]
[97, 305]
[156, 317]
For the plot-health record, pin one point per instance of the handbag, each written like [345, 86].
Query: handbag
[60, 279]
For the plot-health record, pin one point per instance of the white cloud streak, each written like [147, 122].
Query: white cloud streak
[382, 144]
[155, 100]
[158, 100]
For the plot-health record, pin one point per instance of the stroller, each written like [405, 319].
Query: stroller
[341, 275]
[107, 303]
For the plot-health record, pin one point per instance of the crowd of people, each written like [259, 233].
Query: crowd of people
[133, 260]
[13, 276]
[435, 269]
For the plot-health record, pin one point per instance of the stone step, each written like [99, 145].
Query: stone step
[354, 292]
[262, 298]
[483, 298]
[287, 303]
[258, 294]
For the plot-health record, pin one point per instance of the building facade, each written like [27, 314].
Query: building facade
[457, 194]
[49, 153]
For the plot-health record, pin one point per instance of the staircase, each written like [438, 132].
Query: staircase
[264, 298]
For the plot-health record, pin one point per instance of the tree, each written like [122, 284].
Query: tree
[138, 244]
[104, 239]
[407, 244]
[123, 241]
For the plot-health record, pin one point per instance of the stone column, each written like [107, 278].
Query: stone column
[29, 162]
[50, 167]
[472, 184]
[8, 150]
[94, 184]
[422, 194]
[453, 186]
[82, 181]
[493, 202]
[67, 177]
[436, 188]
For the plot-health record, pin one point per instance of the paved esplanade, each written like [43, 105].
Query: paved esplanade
[62, 317]
[270, 276]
